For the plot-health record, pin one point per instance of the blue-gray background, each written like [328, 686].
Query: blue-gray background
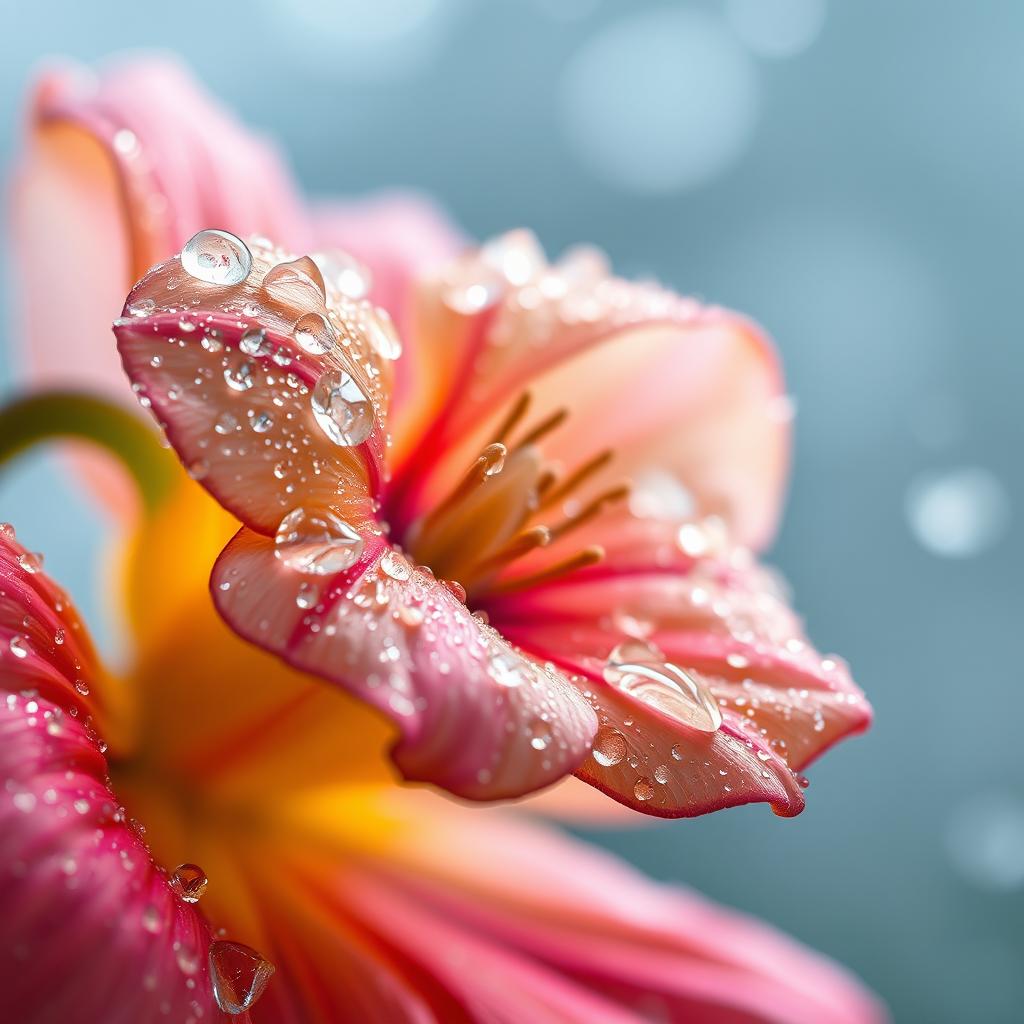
[849, 173]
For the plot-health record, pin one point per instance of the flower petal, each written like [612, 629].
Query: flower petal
[232, 372]
[514, 921]
[83, 901]
[141, 158]
[475, 716]
[723, 620]
[660, 381]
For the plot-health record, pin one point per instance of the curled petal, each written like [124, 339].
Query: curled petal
[723, 622]
[257, 382]
[83, 901]
[474, 715]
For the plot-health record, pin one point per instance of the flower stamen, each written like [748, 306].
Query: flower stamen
[588, 556]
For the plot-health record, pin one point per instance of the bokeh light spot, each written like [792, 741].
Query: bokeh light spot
[660, 102]
[958, 513]
[776, 28]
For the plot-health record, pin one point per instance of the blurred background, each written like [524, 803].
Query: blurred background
[850, 175]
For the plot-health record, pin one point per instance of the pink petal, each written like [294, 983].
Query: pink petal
[128, 165]
[723, 620]
[237, 405]
[517, 922]
[663, 382]
[474, 716]
[91, 930]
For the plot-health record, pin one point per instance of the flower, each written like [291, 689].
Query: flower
[369, 897]
[480, 572]
[374, 902]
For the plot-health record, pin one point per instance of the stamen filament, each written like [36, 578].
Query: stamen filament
[556, 419]
[588, 556]
[512, 420]
[573, 480]
[590, 510]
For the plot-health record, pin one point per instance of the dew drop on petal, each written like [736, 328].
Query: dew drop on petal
[239, 376]
[30, 562]
[239, 975]
[662, 774]
[18, 645]
[643, 789]
[394, 565]
[609, 746]
[254, 342]
[507, 669]
[261, 422]
[189, 882]
[672, 691]
[314, 334]
[341, 409]
[318, 543]
[151, 920]
[296, 283]
[216, 257]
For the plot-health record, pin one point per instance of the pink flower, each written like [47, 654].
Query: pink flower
[376, 901]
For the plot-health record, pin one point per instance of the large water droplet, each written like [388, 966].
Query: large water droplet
[643, 789]
[216, 257]
[319, 543]
[670, 690]
[239, 376]
[239, 975]
[610, 747]
[189, 882]
[18, 645]
[314, 334]
[296, 283]
[341, 409]
[394, 565]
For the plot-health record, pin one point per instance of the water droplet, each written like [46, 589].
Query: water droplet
[314, 333]
[341, 409]
[296, 283]
[199, 469]
[30, 562]
[493, 458]
[507, 669]
[541, 735]
[610, 746]
[261, 422]
[239, 975]
[394, 565]
[189, 882]
[670, 690]
[58, 636]
[382, 335]
[239, 376]
[630, 650]
[643, 789]
[319, 543]
[307, 596]
[19, 645]
[662, 774]
[254, 342]
[142, 307]
[216, 257]
[226, 423]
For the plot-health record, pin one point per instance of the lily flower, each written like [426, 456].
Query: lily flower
[374, 900]
[210, 834]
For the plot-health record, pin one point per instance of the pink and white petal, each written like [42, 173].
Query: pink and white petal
[582, 934]
[228, 374]
[724, 621]
[139, 158]
[662, 382]
[474, 715]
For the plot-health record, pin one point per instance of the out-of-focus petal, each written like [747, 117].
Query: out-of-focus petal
[91, 930]
[129, 163]
[481, 897]
[240, 378]
[475, 716]
[661, 381]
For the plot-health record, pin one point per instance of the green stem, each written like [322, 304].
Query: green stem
[68, 415]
